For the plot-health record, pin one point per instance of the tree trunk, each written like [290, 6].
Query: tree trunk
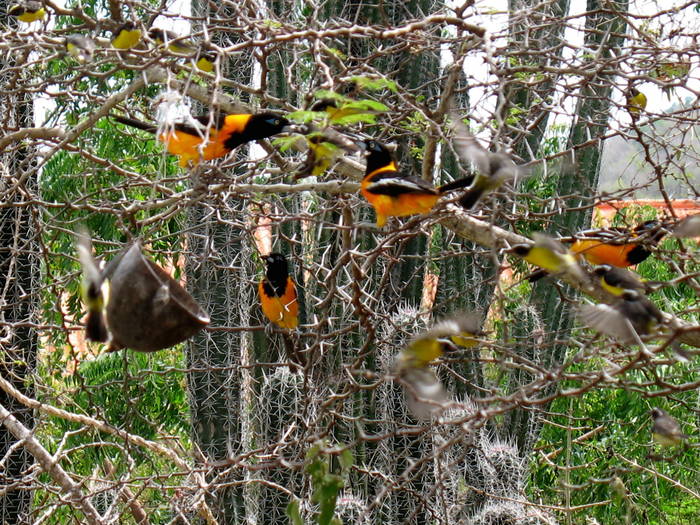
[19, 300]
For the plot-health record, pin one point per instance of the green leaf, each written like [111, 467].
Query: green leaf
[304, 116]
[375, 84]
[293, 513]
[285, 143]
[346, 459]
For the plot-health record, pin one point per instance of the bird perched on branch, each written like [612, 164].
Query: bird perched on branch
[618, 246]
[617, 280]
[491, 169]
[173, 41]
[183, 45]
[278, 293]
[208, 137]
[278, 299]
[205, 61]
[636, 102]
[126, 36]
[393, 194]
[665, 430]
[346, 111]
[27, 11]
[80, 47]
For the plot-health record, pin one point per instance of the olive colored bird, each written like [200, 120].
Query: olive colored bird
[629, 317]
[80, 47]
[325, 147]
[393, 194]
[688, 227]
[346, 112]
[126, 36]
[171, 40]
[206, 61]
[27, 11]
[492, 170]
[209, 138]
[665, 430]
[425, 395]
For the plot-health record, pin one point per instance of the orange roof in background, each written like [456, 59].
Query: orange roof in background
[605, 211]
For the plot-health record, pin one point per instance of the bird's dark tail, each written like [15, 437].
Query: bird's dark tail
[95, 327]
[456, 184]
[150, 128]
[537, 275]
[470, 198]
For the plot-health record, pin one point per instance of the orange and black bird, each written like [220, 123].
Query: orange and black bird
[278, 294]
[617, 246]
[207, 137]
[393, 194]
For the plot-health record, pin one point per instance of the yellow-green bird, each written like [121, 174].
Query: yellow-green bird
[325, 147]
[28, 11]
[80, 47]
[665, 430]
[617, 280]
[126, 36]
[460, 330]
[425, 395]
[549, 254]
[636, 101]
[206, 61]
[347, 111]
[173, 41]
[95, 292]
